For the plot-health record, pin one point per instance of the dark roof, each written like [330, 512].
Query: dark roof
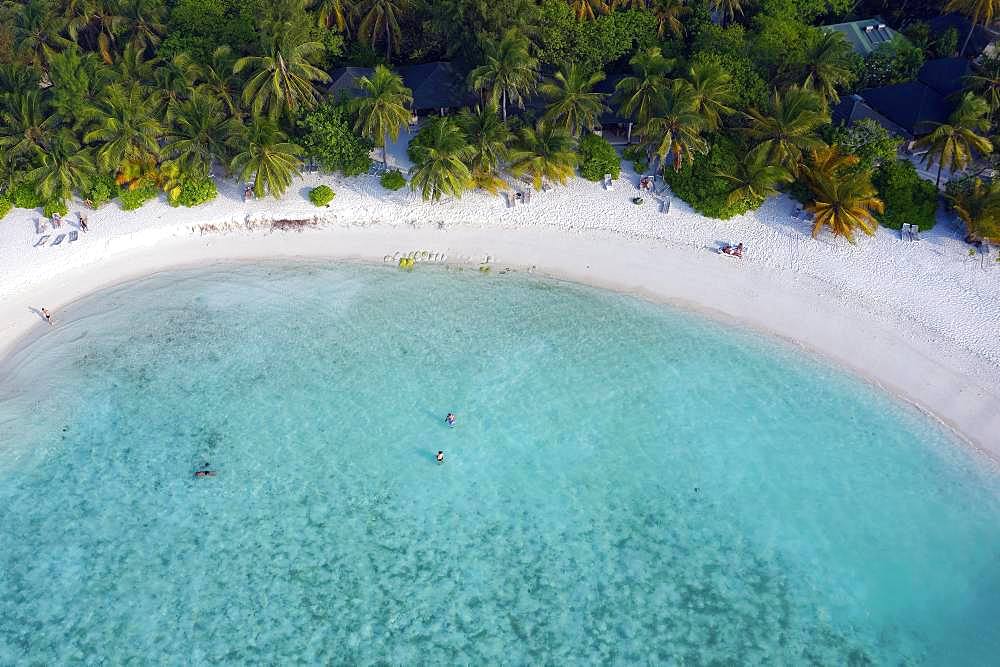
[913, 105]
[981, 37]
[866, 35]
[945, 75]
[852, 108]
[435, 85]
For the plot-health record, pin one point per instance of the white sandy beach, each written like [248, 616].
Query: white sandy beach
[921, 319]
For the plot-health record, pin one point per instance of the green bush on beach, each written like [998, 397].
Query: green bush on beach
[5, 205]
[23, 195]
[102, 190]
[55, 206]
[321, 195]
[195, 191]
[701, 186]
[392, 180]
[907, 197]
[136, 197]
[598, 157]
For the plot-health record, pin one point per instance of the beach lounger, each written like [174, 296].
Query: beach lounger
[608, 183]
[58, 240]
[527, 196]
[546, 187]
[509, 199]
[904, 232]
[665, 205]
[74, 235]
[915, 233]
[41, 241]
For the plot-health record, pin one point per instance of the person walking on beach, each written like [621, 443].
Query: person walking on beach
[47, 315]
[83, 222]
[440, 457]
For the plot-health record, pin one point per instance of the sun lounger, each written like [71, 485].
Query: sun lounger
[527, 196]
[509, 199]
[609, 184]
[546, 187]
[915, 233]
[58, 240]
[665, 205]
[904, 232]
[41, 241]
[74, 235]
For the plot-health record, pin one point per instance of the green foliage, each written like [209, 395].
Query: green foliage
[597, 158]
[54, 206]
[195, 191]
[893, 62]
[947, 44]
[907, 197]
[131, 199]
[557, 29]
[392, 180]
[871, 142]
[636, 154]
[329, 138]
[321, 195]
[102, 190]
[5, 205]
[613, 36]
[200, 26]
[728, 48]
[24, 195]
[780, 40]
[701, 186]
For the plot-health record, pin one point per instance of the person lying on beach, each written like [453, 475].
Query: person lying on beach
[47, 315]
[733, 251]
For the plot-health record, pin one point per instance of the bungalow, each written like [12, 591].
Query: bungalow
[437, 87]
[865, 36]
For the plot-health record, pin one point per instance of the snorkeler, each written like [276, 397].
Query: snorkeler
[450, 419]
[440, 457]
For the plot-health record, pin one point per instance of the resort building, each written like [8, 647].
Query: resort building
[438, 87]
[866, 35]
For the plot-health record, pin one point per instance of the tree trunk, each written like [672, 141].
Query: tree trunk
[937, 183]
[387, 42]
[967, 38]
[385, 151]
[505, 105]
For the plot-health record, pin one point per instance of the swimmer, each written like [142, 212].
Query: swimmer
[440, 457]
[47, 315]
[450, 419]
[205, 473]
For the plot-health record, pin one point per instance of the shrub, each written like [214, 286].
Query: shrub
[636, 154]
[321, 195]
[393, 180]
[907, 197]
[102, 190]
[195, 191]
[131, 199]
[23, 195]
[871, 142]
[329, 137]
[700, 184]
[598, 157]
[55, 206]
[5, 205]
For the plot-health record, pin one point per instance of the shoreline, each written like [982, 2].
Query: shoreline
[934, 353]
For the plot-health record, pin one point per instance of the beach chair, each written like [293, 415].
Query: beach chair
[58, 240]
[665, 205]
[74, 235]
[904, 232]
[915, 233]
[41, 241]
[608, 183]
[546, 186]
[527, 196]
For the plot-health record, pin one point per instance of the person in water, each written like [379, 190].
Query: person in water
[440, 457]
[450, 419]
[47, 315]
[205, 473]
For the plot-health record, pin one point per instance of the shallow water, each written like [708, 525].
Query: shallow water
[626, 483]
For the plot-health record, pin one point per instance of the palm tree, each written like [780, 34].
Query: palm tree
[676, 128]
[727, 9]
[36, 31]
[145, 22]
[282, 80]
[133, 66]
[268, 157]
[102, 20]
[219, 81]
[544, 152]
[26, 125]
[629, 4]
[713, 92]
[842, 198]
[64, 168]
[175, 78]
[330, 13]
[953, 144]
[573, 103]
[509, 73]
[197, 137]
[126, 131]
[78, 80]
[641, 92]
[383, 108]
[985, 82]
[790, 127]
[439, 153]
[828, 65]
[753, 179]
[588, 9]
[980, 12]
[489, 138]
[380, 18]
[669, 16]
[978, 206]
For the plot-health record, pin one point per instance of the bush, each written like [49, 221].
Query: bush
[393, 180]
[598, 157]
[195, 191]
[871, 142]
[55, 206]
[5, 205]
[136, 197]
[321, 195]
[23, 195]
[329, 137]
[907, 197]
[102, 190]
[636, 154]
[700, 184]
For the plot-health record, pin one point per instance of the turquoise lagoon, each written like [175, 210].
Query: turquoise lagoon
[627, 484]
